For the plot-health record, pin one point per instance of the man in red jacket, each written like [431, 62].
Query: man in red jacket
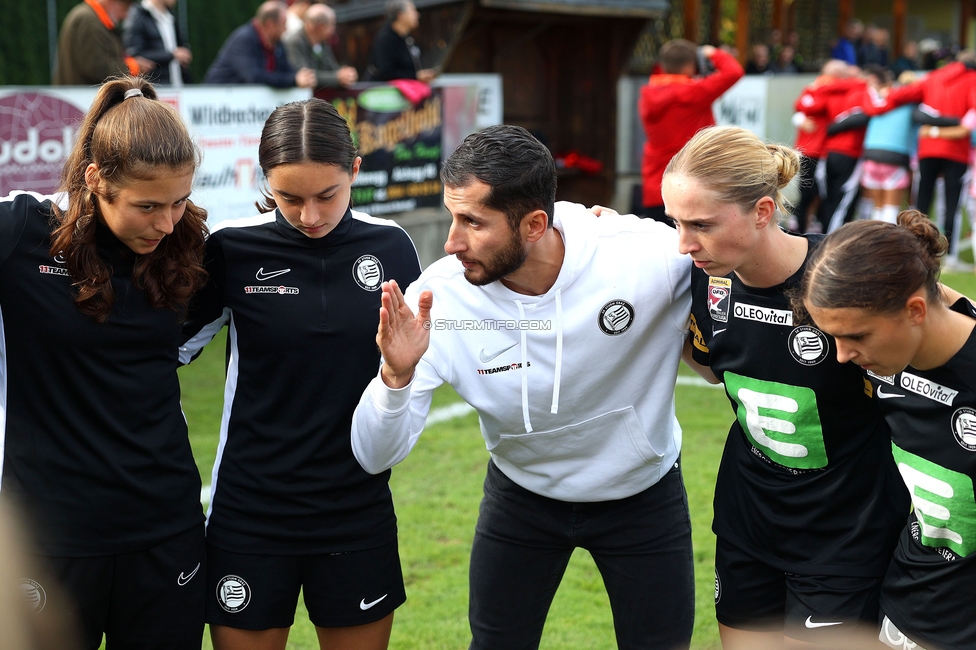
[674, 106]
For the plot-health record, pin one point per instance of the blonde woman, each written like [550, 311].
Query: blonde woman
[807, 505]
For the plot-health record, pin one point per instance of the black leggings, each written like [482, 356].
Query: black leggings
[953, 173]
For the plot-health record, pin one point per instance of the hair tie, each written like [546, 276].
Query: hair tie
[133, 92]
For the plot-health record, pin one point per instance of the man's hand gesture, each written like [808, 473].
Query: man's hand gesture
[402, 337]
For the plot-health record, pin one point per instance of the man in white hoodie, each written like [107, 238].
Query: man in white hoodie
[564, 331]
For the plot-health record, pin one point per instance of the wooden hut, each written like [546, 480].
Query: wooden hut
[559, 60]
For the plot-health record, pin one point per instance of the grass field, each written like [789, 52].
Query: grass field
[437, 490]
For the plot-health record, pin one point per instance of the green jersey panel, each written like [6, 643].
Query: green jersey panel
[781, 420]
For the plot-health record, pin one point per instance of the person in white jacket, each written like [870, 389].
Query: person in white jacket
[564, 331]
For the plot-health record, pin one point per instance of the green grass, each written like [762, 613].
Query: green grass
[437, 490]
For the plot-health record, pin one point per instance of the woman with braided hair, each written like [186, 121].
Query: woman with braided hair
[875, 288]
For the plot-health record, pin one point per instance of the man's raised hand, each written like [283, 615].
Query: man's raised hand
[402, 337]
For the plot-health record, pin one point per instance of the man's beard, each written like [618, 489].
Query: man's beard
[503, 263]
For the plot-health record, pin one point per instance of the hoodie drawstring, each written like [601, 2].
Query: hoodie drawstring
[559, 352]
[525, 372]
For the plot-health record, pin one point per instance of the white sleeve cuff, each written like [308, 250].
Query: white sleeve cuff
[390, 400]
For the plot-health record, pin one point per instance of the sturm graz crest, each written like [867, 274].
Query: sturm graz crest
[368, 272]
[34, 593]
[233, 593]
[808, 345]
[616, 317]
[964, 428]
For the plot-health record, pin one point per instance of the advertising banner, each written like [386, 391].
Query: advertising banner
[38, 126]
[400, 144]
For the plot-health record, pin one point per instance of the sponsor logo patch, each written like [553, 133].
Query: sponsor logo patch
[278, 290]
[368, 272]
[718, 588]
[928, 389]
[808, 345]
[52, 270]
[35, 595]
[964, 427]
[233, 593]
[719, 292]
[768, 315]
[696, 336]
[505, 368]
[616, 317]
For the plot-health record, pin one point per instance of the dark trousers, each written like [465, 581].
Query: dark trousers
[641, 546]
[953, 172]
[809, 191]
[843, 186]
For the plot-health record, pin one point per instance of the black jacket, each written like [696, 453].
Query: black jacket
[141, 38]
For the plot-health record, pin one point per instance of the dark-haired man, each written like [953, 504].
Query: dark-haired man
[675, 105]
[564, 332]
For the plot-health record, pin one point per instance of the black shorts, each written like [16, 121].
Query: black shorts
[259, 592]
[751, 595]
[143, 599]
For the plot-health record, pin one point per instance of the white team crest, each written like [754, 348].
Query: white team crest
[808, 345]
[368, 272]
[35, 595]
[964, 427]
[233, 593]
[616, 317]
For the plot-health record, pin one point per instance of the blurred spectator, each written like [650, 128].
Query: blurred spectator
[784, 63]
[759, 63]
[811, 125]
[927, 49]
[731, 50]
[311, 48]
[296, 15]
[793, 40]
[90, 49]
[875, 48]
[673, 106]
[776, 43]
[394, 54]
[847, 45]
[150, 30]
[908, 59]
[253, 54]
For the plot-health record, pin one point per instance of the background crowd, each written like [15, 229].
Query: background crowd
[285, 45]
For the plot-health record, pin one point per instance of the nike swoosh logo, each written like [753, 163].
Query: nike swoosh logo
[363, 605]
[182, 580]
[485, 358]
[715, 331]
[262, 276]
[809, 623]
[884, 395]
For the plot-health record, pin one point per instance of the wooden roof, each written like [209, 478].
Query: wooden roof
[362, 9]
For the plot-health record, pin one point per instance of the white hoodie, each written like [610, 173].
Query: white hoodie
[574, 388]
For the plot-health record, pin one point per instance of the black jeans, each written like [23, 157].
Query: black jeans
[953, 172]
[641, 546]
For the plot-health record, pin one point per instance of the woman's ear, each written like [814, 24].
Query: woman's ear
[917, 308]
[93, 179]
[765, 211]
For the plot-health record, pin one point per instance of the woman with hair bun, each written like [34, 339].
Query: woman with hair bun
[94, 285]
[874, 288]
[807, 502]
[299, 289]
